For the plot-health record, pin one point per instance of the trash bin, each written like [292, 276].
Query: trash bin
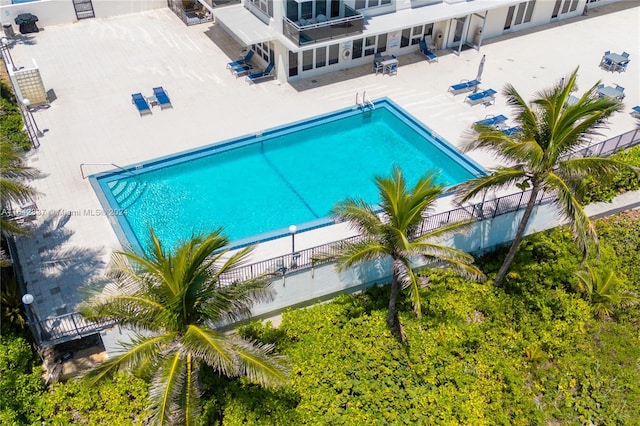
[8, 30]
[27, 23]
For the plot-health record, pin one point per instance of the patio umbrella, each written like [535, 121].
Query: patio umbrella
[481, 68]
[25, 18]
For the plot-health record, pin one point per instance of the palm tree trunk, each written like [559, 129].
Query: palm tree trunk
[392, 317]
[502, 272]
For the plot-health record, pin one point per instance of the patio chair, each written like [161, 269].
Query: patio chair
[464, 86]
[431, 57]
[377, 66]
[625, 54]
[619, 88]
[392, 69]
[243, 61]
[141, 104]
[261, 75]
[486, 97]
[162, 97]
[635, 111]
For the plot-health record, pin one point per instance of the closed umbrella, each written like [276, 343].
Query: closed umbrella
[480, 69]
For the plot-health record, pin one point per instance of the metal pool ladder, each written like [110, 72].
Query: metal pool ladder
[364, 104]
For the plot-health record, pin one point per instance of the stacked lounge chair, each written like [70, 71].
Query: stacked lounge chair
[261, 75]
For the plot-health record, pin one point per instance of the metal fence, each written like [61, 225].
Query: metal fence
[315, 256]
[63, 328]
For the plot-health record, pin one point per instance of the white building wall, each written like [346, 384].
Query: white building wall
[58, 12]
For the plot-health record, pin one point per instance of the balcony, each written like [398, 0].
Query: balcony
[314, 30]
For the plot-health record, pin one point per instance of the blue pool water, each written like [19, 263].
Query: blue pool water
[256, 186]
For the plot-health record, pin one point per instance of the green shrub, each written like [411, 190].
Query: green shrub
[622, 182]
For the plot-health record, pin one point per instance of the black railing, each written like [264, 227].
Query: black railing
[315, 256]
[63, 328]
[313, 31]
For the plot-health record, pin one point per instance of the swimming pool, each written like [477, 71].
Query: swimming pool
[257, 185]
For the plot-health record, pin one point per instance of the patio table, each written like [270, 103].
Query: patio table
[616, 60]
[611, 92]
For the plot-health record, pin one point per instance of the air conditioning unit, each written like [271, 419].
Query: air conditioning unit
[346, 50]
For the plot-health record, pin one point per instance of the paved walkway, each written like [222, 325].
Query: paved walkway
[94, 65]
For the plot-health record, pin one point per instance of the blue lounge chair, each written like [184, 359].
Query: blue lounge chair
[511, 130]
[241, 70]
[465, 86]
[141, 103]
[492, 121]
[261, 75]
[486, 97]
[431, 57]
[162, 97]
[241, 62]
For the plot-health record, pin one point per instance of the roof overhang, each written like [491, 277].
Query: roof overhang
[431, 13]
[243, 25]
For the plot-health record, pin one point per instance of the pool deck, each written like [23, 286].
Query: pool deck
[95, 65]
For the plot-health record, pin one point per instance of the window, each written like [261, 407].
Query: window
[293, 64]
[556, 9]
[428, 29]
[564, 6]
[416, 34]
[306, 10]
[321, 57]
[357, 49]
[264, 50]
[522, 15]
[264, 5]
[292, 10]
[370, 46]
[382, 43]
[334, 51]
[527, 16]
[406, 35]
[321, 7]
[307, 60]
[361, 4]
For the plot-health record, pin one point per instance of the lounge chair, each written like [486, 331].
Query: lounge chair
[261, 75]
[511, 130]
[465, 86]
[495, 121]
[241, 70]
[635, 111]
[141, 103]
[431, 57]
[162, 97]
[243, 61]
[487, 97]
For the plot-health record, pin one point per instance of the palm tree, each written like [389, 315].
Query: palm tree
[394, 232]
[602, 288]
[173, 302]
[536, 156]
[13, 187]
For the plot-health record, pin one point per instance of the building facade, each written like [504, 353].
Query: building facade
[306, 38]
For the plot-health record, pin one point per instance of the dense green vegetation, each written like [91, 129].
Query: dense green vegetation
[532, 352]
[621, 182]
[11, 125]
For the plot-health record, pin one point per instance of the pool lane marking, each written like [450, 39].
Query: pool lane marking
[291, 187]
